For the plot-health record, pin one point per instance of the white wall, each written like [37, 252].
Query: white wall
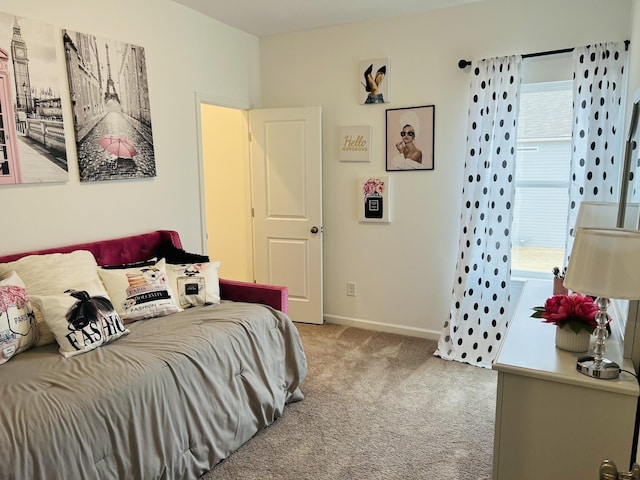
[404, 270]
[186, 53]
[634, 48]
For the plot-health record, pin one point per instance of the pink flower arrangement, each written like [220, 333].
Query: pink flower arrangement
[576, 311]
[373, 186]
[12, 296]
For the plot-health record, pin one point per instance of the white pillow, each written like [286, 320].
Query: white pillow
[140, 292]
[55, 273]
[80, 323]
[18, 327]
[195, 283]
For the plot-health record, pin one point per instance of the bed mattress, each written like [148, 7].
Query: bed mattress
[169, 400]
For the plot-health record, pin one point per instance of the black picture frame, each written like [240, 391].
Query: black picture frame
[413, 151]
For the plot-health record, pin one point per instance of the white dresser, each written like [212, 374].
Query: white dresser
[552, 422]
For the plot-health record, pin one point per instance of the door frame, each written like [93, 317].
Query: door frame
[202, 99]
[218, 101]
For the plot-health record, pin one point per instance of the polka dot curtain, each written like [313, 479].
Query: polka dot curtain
[598, 128]
[479, 306]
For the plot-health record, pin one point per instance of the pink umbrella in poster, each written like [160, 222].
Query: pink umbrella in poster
[118, 145]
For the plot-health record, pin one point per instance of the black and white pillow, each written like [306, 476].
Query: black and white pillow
[195, 283]
[140, 292]
[80, 322]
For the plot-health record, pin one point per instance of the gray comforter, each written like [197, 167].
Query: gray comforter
[169, 400]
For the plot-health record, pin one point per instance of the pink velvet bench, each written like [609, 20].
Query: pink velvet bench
[144, 246]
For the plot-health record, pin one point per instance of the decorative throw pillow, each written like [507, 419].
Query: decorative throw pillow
[142, 263]
[18, 328]
[174, 255]
[195, 283]
[140, 292]
[79, 321]
[55, 273]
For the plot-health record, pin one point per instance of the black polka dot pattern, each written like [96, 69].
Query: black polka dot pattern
[597, 137]
[479, 308]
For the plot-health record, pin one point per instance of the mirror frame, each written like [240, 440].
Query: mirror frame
[632, 327]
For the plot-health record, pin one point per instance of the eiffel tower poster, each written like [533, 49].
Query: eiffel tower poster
[111, 112]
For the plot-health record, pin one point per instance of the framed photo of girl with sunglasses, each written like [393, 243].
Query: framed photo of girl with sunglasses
[410, 138]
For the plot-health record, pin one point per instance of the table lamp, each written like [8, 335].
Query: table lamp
[604, 263]
[605, 215]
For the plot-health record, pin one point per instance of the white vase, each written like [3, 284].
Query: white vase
[567, 339]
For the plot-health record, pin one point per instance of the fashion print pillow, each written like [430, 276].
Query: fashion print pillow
[80, 322]
[195, 284]
[18, 327]
[140, 292]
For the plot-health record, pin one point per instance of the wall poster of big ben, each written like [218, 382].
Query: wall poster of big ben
[110, 104]
[32, 130]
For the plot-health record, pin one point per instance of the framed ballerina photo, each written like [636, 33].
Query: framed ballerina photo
[410, 138]
[374, 81]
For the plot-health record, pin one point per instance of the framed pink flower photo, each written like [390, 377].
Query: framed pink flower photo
[374, 203]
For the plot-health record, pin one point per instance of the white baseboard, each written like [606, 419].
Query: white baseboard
[382, 327]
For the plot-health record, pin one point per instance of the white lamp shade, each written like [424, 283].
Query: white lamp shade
[605, 263]
[605, 215]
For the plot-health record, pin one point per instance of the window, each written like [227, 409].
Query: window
[542, 178]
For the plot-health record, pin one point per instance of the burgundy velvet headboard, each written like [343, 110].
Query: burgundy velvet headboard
[136, 248]
[115, 251]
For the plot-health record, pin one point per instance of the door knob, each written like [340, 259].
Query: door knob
[314, 229]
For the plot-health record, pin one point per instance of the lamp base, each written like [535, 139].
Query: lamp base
[608, 369]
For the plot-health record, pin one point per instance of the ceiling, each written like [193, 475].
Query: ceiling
[271, 17]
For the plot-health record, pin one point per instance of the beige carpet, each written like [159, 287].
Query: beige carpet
[377, 406]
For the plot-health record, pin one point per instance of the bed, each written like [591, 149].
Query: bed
[168, 400]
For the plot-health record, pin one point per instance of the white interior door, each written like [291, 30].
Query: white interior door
[286, 169]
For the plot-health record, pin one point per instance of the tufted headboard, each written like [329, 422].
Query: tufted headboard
[115, 251]
[136, 248]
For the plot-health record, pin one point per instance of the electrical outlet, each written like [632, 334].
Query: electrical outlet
[351, 289]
